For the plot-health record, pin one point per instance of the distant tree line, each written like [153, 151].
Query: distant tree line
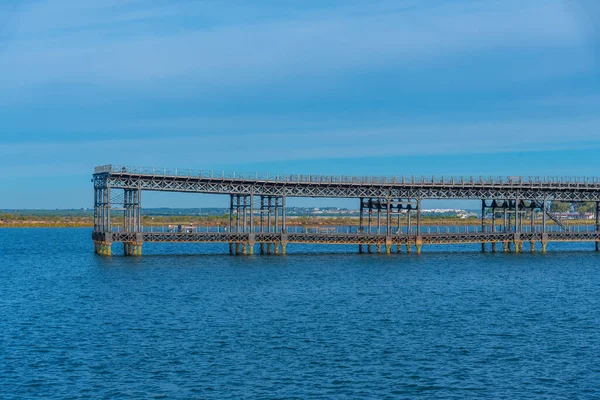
[586, 207]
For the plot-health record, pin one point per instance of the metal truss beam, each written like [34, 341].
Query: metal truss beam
[540, 192]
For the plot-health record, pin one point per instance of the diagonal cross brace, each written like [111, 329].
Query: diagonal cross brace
[552, 216]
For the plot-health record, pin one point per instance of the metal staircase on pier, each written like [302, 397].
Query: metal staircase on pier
[553, 217]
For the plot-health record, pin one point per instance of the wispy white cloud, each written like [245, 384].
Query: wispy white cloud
[580, 102]
[73, 42]
[210, 84]
[234, 151]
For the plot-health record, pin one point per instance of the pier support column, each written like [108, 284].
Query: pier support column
[231, 215]
[493, 247]
[388, 244]
[419, 244]
[518, 243]
[388, 216]
[283, 240]
[360, 249]
[262, 219]
[102, 248]
[268, 209]
[378, 204]
[262, 248]
[132, 249]
[517, 217]
[408, 248]
[532, 218]
[102, 217]
[518, 246]
[251, 242]
[494, 204]
[544, 216]
[132, 213]
[107, 249]
[283, 214]
[597, 224]
[532, 246]
[482, 223]
[244, 249]
[231, 248]
[370, 214]
[369, 249]
[238, 215]
[418, 219]
[361, 218]
[544, 242]
[378, 247]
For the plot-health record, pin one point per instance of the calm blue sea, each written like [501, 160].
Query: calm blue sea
[187, 321]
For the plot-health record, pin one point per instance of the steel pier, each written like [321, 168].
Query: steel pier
[390, 209]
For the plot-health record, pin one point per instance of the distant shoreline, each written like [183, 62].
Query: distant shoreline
[17, 221]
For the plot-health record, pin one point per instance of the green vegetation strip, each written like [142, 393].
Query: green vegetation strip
[16, 220]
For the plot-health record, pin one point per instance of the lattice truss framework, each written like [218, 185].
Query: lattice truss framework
[399, 190]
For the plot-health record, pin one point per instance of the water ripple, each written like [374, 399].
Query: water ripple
[309, 325]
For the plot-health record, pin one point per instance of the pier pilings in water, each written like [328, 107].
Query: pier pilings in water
[132, 249]
[103, 248]
[274, 245]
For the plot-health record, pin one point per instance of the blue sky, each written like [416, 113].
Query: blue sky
[380, 87]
